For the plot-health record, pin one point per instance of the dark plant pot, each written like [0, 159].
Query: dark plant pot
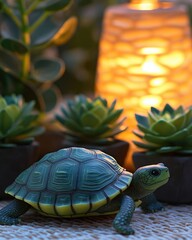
[179, 188]
[50, 141]
[13, 161]
[118, 149]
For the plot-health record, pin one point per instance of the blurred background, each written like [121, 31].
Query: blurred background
[80, 53]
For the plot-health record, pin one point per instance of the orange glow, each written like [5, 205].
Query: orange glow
[147, 101]
[151, 50]
[144, 4]
[145, 58]
[151, 66]
[156, 82]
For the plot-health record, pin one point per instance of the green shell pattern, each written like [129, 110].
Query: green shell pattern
[70, 182]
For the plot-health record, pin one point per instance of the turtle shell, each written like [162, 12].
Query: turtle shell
[71, 182]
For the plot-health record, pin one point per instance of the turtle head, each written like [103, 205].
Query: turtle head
[148, 178]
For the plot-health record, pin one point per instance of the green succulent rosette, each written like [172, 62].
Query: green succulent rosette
[18, 122]
[91, 120]
[166, 131]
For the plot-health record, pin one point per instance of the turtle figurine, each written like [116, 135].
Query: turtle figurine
[77, 182]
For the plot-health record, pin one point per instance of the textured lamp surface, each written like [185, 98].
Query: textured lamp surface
[145, 57]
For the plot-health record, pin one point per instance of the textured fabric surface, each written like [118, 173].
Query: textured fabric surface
[175, 223]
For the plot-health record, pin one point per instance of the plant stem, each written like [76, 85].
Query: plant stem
[15, 19]
[33, 6]
[26, 61]
[39, 21]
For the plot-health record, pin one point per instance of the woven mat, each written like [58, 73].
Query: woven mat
[175, 223]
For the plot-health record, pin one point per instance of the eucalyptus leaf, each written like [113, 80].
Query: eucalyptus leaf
[13, 45]
[53, 33]
[54, 5]
[47, 70]
[8, 28]
[9, 63]
[65, 32]
[51, 97]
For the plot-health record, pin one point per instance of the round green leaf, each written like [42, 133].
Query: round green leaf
[11, 84]
[47, 70]
[8, 28]
[51, 97]
[65, 32]
[54, 5]
[13, 45]
[51, 32]
[9, 63]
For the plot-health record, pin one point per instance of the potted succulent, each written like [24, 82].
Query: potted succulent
[28, 29]
[94, 124]
[30, 32]
[166, 136]
[18, 127]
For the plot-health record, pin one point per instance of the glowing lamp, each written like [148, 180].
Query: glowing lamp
[145, 56]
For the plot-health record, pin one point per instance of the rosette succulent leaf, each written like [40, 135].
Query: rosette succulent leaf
[18, 122]
[166, 131]
[92, 121]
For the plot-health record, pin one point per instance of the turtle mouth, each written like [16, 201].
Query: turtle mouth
[160, 183]
[163, 181]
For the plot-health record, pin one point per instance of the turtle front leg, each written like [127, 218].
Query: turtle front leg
[9, 215]
[123, 218]
[150, 204]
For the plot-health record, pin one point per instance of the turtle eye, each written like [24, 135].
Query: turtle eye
[155, 172]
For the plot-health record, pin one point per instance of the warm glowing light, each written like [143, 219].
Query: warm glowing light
[145, 57]
[148, 101]
[173, 59]
[151, 50]
[156, 82]
[144, 4]
[151, 67]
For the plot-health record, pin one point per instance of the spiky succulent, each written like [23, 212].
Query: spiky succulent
[166, 131]
[18, 124]
[92, 121]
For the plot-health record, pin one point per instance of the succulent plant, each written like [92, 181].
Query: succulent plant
[28, 28]
[18, 124]
[166, 131]
[91, 120]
